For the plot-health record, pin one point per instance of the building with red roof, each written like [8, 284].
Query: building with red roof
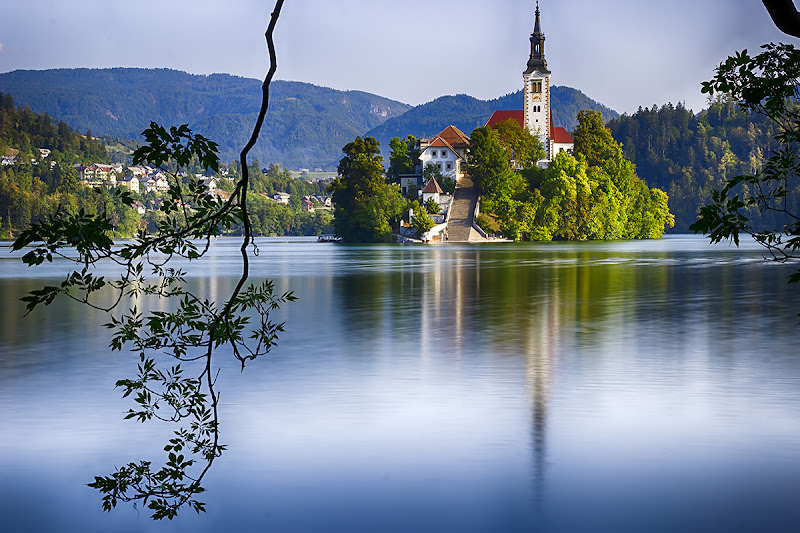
[536, 115]
[448, 151]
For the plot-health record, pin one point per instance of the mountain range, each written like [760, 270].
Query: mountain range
[306, 126]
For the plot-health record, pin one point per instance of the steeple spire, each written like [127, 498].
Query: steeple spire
[537, 61]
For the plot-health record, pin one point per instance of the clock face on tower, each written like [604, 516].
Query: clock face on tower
[537, 98]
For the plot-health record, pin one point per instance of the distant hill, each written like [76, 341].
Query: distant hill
[306, 126]
[467, 113]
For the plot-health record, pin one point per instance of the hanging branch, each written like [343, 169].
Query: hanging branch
[191, 333]
[785, 16]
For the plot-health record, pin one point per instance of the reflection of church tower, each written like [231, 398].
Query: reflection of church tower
[536, 80]
[543, 332]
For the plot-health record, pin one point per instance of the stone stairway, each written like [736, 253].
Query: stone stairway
[459, 226]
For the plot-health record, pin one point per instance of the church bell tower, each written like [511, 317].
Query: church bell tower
[536, 79]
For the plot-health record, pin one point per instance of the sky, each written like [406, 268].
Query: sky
[622, 53]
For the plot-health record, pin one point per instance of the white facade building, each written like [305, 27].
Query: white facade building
[448, 151]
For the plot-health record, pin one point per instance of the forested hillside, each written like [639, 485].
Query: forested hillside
[689, 155]
[468, 113]
[37, 175]
[38, 179]
[306, 126]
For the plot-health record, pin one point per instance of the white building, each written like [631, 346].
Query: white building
[448, 151]
[432, 190]
[131, 182]
[282, 197]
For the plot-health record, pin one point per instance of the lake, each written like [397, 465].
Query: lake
[557, 387]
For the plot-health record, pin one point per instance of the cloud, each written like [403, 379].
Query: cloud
[2, 47]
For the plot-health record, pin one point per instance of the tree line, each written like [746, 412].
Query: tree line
[34, 187]
[690, 155]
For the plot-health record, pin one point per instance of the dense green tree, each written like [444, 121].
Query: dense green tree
[366, 207]
[594, 141]
[768, 84]
[489, 163]
[689, 155]
[432, 206]
[422, 221]
[403, 158]
[594, 194]
[522, 148]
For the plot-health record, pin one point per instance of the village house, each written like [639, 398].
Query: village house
[448, 151]
[432, 190]
[162, 185]
[324, 200]
[307, 205]
[210, 183]
[98, 174]
[281, 197]
[139, 171]
[131, 182]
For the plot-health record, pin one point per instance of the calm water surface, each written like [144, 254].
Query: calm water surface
[626, 386]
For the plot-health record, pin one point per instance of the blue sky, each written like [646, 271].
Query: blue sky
[624, 53]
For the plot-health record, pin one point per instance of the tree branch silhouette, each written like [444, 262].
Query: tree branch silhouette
[785, 16]
[190, 334]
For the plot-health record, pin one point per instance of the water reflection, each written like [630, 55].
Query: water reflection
[564, 387]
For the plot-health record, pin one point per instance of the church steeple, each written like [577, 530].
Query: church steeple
[537, 61]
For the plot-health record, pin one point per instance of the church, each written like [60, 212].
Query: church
[536, 115]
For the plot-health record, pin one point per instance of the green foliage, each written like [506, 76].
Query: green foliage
[403, 158]
[487, 223]
[35, 186]
[24, 131]
[432, 206]
[767, 84]
[422, 221]
[32, 192]
[367, 208]
[594, 141]
[689, 155]
[595, 194]
[489, 163]
[522, 148]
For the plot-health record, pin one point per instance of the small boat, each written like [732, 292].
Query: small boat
[329, 237]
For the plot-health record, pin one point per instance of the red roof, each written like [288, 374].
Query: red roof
[560, 135]
[432, 187]
[438, 142]
[455, 137]
[501, 116]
